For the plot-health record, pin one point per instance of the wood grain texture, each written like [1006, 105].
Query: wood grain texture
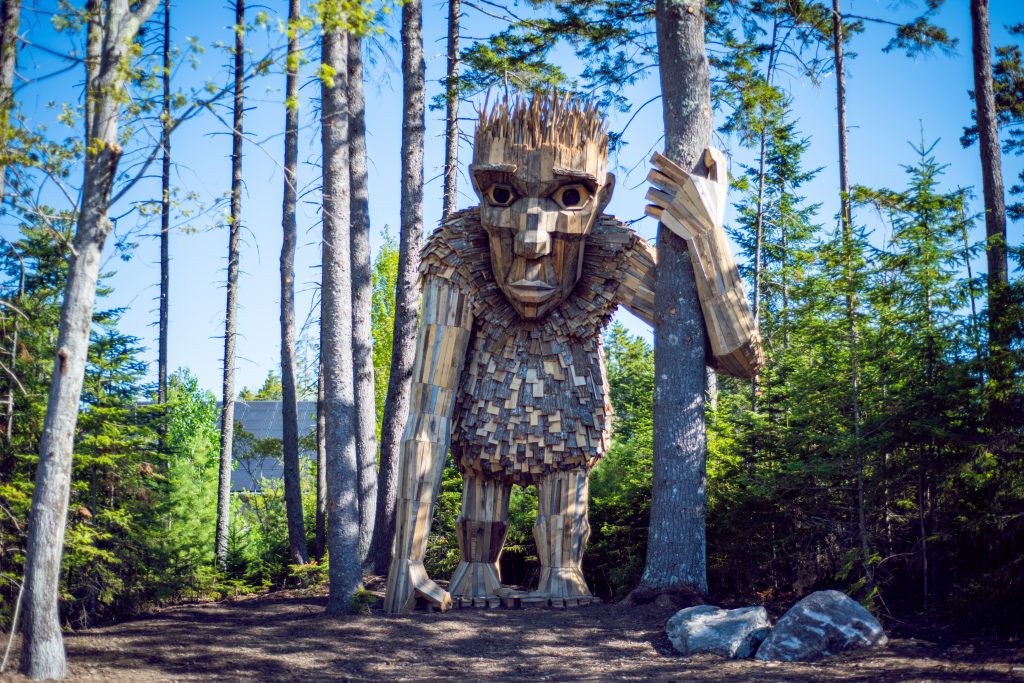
[693, 207]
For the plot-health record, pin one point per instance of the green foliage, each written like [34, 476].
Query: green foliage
[382, 319]
[270, 391]
[183, 537]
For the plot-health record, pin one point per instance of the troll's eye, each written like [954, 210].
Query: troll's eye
[571, 196]
[501, 195]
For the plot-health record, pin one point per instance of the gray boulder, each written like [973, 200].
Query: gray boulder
[734, 633]
[822, 624]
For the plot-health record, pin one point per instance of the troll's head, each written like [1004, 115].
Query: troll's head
[539, 168]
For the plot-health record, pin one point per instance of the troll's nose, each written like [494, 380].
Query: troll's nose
[533, 241]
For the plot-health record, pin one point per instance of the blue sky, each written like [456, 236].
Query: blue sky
[892, 100]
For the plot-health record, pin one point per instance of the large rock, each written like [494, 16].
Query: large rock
[734, 633]
[822, 624]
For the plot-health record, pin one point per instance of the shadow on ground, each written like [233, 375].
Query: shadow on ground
[289, 638]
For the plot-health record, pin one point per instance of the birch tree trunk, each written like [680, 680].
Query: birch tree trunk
[165, 211]
[407, 294]
[451, 133]
[227, 420]
[10, 14]
[1000, 364]
[362, 301]
[289, 395]
[43, 655]
[676, 555]
[336, 331]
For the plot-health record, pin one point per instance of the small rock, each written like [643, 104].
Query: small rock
[664, 600]
[822, 624]
[735, 633]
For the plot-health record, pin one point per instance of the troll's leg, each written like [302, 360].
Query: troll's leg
[561, 533]
[481, 528]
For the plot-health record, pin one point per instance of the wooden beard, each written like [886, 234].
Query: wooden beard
[538, 203]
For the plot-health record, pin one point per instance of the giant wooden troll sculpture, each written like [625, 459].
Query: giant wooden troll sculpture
[509, 372]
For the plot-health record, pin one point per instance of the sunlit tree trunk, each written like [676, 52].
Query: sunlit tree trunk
[165, 210]
[846, 225]
[676, 555]
[321, 461]
[113, 31]
[407, 294]
[336, 330]
[227, 420]
[289, 393]
[10, 13]
[1000, 363]
[451, 132]
[362, 301]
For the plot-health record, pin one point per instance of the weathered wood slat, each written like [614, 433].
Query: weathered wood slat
[693, 207]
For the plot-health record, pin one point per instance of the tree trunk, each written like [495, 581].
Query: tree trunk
[846, 223]
[321, 461]
[407, 294]
[362, 301]
[227, 420]
[676, 555]
[42, 653]
[10, 13]
[1000, 325]
[336, 333]
[451, 133]
[289, 395]
[165, 211]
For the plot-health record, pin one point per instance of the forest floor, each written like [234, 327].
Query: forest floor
[286, 636]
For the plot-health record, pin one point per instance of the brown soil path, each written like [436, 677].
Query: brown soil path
[287, 637]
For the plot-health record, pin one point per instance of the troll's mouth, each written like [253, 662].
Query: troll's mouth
[531, 291]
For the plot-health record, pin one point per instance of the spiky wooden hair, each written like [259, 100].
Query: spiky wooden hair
[548, 117]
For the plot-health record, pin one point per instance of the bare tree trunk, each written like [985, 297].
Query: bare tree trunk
[676, 554]
[227, 420]
[362, 301]
[336, 332]
[165, 211]
[846, 222]
[10, 14]
[12, 380]
[42, 653]
[762, 163]
[1000, 326]
[407, 294]
[321, 462]
[289, 394]
[451, 133]
[975, 332]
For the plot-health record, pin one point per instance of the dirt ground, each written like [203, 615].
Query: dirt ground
[283, 637]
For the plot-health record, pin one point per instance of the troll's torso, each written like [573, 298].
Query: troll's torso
[533, 396]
